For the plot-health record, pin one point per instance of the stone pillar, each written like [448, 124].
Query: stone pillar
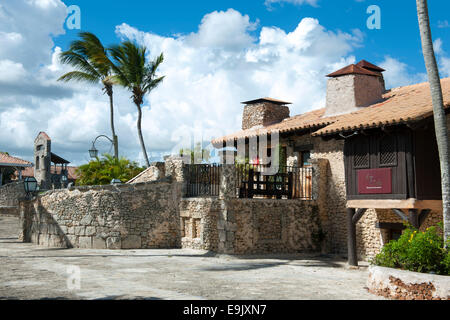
[320, 195]
[25, 219]
[226, 222]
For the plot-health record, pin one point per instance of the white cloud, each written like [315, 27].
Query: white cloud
[443, 24]
[442, 57]
[399, 74]
[269, 3]
[208, 73]
[11, 71]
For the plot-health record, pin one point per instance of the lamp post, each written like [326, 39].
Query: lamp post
[93, 152]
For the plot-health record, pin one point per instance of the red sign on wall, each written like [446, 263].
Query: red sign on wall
[375, 181]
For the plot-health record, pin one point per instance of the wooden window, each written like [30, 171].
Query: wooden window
[388, 151]
[361, 158]
[306, 158]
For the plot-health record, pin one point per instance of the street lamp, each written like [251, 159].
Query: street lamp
[93, 152]
[30, 185]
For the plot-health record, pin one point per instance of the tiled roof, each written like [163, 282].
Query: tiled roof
[44, 135]
[367, 65]
[72, 175]
[401, 105]
[309, 120]
[352, 69]
[13, 161]
[274, 101]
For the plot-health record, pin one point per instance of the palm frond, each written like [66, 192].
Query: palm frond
[78, 76]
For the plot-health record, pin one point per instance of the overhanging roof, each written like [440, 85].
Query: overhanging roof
[57, 159]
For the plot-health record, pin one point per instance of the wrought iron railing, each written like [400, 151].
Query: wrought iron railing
[280, 182]
[202, 180]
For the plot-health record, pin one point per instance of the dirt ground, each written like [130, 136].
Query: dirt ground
[28, 271]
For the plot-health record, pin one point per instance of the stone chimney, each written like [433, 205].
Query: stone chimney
[353, 87]
[263, 112]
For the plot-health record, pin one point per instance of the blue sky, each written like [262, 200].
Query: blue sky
[217, 54]
[398, 36]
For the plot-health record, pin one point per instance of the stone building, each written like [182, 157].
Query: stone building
[49, 168]
[315, 204]
[357, 104]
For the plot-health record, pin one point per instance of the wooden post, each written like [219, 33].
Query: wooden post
[414, 218]
[250, 183]
[351, 237]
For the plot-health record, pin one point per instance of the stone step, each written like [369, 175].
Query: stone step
[9, 211]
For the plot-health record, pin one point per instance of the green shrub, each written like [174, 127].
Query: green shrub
[416, 251]
[102, 171]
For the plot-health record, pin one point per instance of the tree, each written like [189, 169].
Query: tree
[133, 72]
[440, 121]
[90, 59]
[102, 171]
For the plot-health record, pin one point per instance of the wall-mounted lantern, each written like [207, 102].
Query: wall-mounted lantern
[116, 182]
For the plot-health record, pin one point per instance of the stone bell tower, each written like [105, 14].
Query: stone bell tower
[42, 160]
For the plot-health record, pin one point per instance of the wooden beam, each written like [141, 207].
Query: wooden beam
[423, 216]
[435, 205]
[358, 215]
[413, 218]
[390, 225]
[401, 214]
[351, 238]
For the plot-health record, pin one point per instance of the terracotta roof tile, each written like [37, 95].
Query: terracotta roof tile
[275, 101]
[367, 65]
[400, 105]
[43, 134]
[352, 69]
[9, 160]
[72, 175]
[312, 119]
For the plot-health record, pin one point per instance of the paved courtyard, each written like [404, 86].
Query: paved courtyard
[31, 272]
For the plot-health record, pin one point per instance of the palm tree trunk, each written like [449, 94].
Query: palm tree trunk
[141, 139]
[440, 121]
[113, 130]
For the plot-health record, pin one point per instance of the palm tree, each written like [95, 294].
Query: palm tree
[90, 59]
[440, 121]
[133, 72]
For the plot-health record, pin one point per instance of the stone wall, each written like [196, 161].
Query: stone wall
[9, 197]
[134, 216]
[263, 114]
[199, 223]
[407, 285]
[155, 172]
[250, 226]
[347, 93]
